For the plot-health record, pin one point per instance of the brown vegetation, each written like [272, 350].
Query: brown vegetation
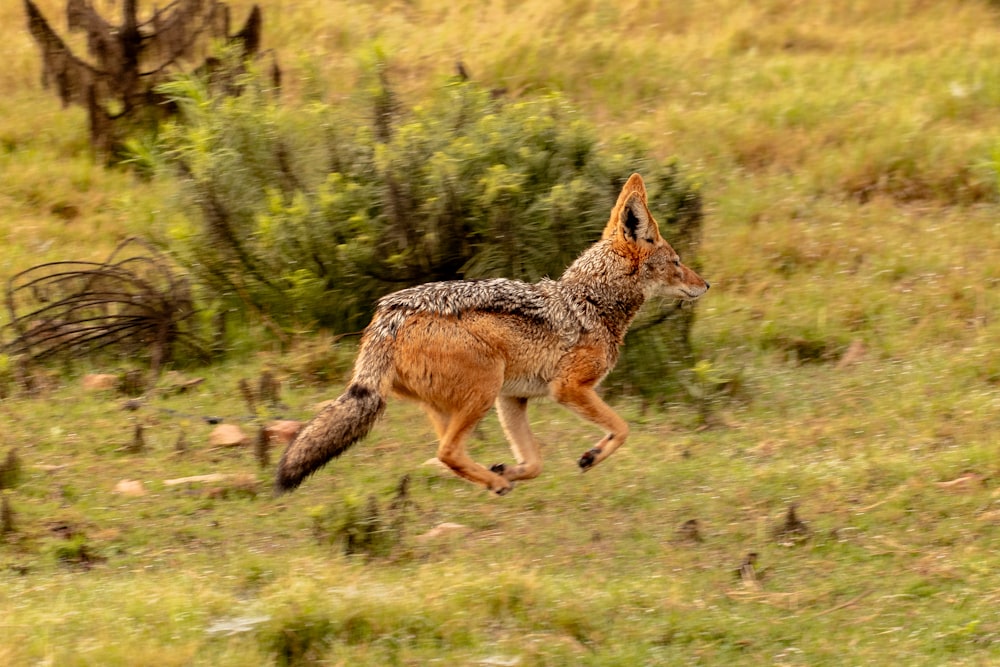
[131, 59]
[133, 302]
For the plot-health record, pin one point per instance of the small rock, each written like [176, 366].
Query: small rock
[967, 481]
[107, 535]
[100, 381]
[245, 484]
[764, 449]
[855, 352]
[435, 462]
[45, 467]
[235, 486]
[500, 661]
[130, 487]
[446, 529]
[175, 383]
[282, 431]
[228, 435]
[199, 479]
[235, 625]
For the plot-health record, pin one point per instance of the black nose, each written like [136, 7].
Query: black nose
[707, 284]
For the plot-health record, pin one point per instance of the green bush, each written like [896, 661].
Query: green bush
[367, 529]
[310, 214]
[300, 637]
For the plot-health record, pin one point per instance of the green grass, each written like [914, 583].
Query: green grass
[569, 569]
[844, 150]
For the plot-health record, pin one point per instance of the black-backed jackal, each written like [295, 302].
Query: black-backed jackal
[460, 347]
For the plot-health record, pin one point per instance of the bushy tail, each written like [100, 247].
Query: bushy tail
[343, 422]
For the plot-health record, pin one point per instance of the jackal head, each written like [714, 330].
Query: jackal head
[635, 235]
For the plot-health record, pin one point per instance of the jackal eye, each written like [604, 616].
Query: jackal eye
[677, 261]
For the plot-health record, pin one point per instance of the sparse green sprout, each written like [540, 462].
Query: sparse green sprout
[10, 469]
[6, 515]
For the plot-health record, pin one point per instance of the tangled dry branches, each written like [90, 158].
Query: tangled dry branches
[132, 303]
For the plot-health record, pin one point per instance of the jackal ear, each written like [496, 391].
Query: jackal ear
[635, 222]
[634, 184]
[630, 214]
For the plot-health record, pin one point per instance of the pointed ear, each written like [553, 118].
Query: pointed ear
[634, 184]
[630, 219]
[635, 222]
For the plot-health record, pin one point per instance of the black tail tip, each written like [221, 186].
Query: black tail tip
[284, 484]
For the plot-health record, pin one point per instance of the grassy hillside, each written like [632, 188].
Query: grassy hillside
[850, 368]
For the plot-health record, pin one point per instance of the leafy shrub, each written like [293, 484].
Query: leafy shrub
[370, 530]
[309, 214]
[300, 638]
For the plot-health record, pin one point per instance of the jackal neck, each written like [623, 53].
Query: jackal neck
[604, 283]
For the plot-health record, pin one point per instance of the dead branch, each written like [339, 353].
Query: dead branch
[133, 303]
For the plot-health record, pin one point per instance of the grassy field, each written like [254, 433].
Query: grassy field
[846, 153]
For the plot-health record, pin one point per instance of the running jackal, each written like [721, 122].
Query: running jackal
[460, 347]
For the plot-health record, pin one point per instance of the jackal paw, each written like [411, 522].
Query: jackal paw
[505, 485]
[503, 488]
[589, 458]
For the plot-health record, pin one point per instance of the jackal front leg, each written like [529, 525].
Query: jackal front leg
[583, 400]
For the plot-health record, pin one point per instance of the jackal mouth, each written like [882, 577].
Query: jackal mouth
[690, 296]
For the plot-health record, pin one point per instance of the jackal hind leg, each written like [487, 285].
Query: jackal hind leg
[456, 430]
[513, 413]
[438, 419]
